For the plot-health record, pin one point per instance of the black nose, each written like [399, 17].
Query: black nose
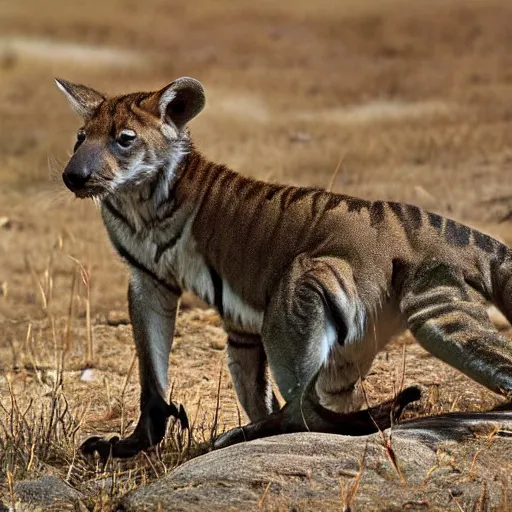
[75, 181]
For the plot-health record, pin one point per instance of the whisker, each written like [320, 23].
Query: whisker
[48, 198]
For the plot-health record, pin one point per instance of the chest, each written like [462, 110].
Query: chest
[169, 251]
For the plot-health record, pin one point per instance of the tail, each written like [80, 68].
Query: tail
[457, 426]
[308, 415]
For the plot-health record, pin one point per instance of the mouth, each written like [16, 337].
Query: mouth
[91, 192]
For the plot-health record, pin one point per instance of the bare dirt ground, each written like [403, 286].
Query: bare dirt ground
[413, 98]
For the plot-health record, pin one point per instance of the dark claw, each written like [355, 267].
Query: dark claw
[88, 446]
[182, 416]
[172, 410]
[103, 447]
[406, 397]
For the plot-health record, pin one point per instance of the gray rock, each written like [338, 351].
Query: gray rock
[309, 471]
[46, 491]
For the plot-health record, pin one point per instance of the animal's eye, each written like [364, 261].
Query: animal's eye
[80, 137]
[126, 137]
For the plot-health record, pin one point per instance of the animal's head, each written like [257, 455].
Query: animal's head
[127, 139]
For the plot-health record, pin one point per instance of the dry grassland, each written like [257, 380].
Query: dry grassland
[412, 99]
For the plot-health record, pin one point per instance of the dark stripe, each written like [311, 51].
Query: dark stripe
[195, 163]
[317, 195]
[118, 215]
[139, 266]
[285, 197]
[299, 194]
[114, 103]
[217, 290]
[484, 242]
[238, 344]
[333, 201]
[136, 114]
[413, 214]
[252, 190]
[356, 204]
[155, 182]
[143, 96]
[396, 208]
[160, 249]
[436, 221]
[409, 215]
[456, 233]
[239, 186]
[453, 327]
[436, 274]
[503, 252]
[376, 213]
[273, 190]
[164, 215]
[421, 316]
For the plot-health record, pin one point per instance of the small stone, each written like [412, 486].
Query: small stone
[218, 344]
[87, 375]
[117, 318]
[301, 137]
[45, 491]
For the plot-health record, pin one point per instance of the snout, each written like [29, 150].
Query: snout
[85, 162]
[76, 179]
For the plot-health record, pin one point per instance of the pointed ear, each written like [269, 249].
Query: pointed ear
[83, 99]
[181, 101]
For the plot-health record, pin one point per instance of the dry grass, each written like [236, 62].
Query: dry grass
[393, 99]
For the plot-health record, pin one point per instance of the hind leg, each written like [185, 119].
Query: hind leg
[314, 309]
[447, 323]
[248, 366]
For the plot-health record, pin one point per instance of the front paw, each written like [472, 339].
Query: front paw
[149, 431]
[113, 447]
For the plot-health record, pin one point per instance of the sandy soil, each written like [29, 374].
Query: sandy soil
[413, 98]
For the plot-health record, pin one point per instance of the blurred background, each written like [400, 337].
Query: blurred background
[408, 100]
[412, 100]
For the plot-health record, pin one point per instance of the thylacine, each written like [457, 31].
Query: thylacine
[309, 283]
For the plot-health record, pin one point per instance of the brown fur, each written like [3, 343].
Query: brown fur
[311, 283]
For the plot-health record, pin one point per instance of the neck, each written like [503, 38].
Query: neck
[182, 181]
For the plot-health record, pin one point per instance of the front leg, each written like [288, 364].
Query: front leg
[153, 310]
